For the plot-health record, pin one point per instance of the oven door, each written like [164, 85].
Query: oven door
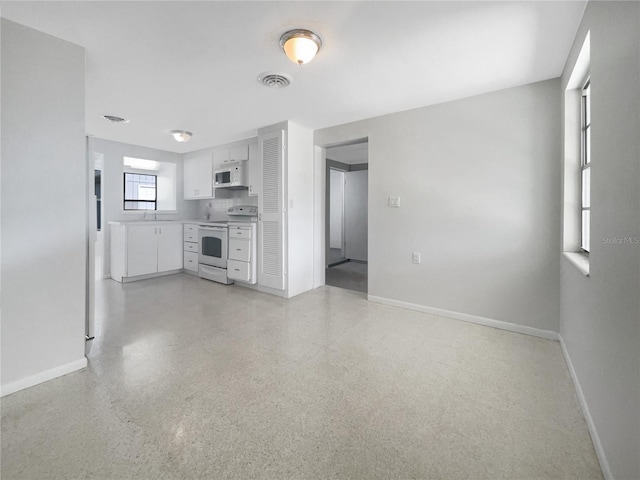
[212, 246]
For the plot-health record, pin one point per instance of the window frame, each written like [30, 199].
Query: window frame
[585, 164]
[125, 199]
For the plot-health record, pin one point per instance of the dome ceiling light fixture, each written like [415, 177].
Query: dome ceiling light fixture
[300, 45]
[181, 136]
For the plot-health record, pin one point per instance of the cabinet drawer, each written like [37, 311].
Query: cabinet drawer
[190, 228]
[191, 237]
[238, 270]
[190, 247]
[191, 261]
[240, 249]
[240, 232]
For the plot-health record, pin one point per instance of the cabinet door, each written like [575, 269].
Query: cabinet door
[255, 171]
[220, 156]
[142, 250]
[170, 244]
[198, 177]
[272, 243]
[239, 153]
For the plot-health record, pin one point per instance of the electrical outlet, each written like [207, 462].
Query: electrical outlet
[394, 202]
[416, 257]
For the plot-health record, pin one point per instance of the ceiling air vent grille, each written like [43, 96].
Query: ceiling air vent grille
[274, 80]
[114, 119]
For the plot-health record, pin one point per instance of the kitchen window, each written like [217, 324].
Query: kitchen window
[140, 191]
[585, 169]
[576, 209]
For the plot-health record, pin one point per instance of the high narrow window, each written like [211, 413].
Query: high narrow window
[140, 191]
[585, 237]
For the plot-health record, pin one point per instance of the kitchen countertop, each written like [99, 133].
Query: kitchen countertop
[164, 222]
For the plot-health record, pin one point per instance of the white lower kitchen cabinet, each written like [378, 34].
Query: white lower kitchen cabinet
[169, 251]
[191, 248]
[242, 264]
[237, 270]
[140, 249]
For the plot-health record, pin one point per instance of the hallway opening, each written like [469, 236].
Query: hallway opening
[347, 168]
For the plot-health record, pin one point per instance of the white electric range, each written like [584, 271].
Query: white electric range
[227, 248]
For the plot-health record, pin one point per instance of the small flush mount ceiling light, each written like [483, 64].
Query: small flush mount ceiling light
[300, 45]
[181, 136]
[114, 119]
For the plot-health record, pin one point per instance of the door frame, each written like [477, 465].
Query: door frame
[321, 207]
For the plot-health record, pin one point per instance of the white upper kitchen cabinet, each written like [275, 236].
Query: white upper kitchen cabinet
[236, 152]
[198, 177]
[285, 207]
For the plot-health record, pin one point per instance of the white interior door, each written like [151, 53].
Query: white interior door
[336, 210]
[271, 212]
[90, 313]
[356, 215]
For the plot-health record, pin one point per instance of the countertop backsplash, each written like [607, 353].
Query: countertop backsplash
[216, 208]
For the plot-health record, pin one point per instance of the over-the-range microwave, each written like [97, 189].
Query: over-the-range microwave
[231, 176]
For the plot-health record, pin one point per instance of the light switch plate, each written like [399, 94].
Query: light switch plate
[394, 202]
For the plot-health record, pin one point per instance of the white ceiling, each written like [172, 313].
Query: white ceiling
[193, 65]
[350, 154]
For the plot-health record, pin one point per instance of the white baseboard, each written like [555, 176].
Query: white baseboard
[602, 458]
[43, 376]
[489, 322]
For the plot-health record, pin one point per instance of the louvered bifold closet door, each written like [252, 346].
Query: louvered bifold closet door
[271, 212]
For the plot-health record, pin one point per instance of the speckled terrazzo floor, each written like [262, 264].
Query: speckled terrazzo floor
[350, 275]
[192, 379]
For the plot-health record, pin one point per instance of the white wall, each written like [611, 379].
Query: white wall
[112, 179]
[299, 203]
[44, 207]
[356, 215]
[167, 186]
[600, 314]
[479, 181]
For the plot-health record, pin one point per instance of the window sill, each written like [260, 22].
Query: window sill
[578, 260]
